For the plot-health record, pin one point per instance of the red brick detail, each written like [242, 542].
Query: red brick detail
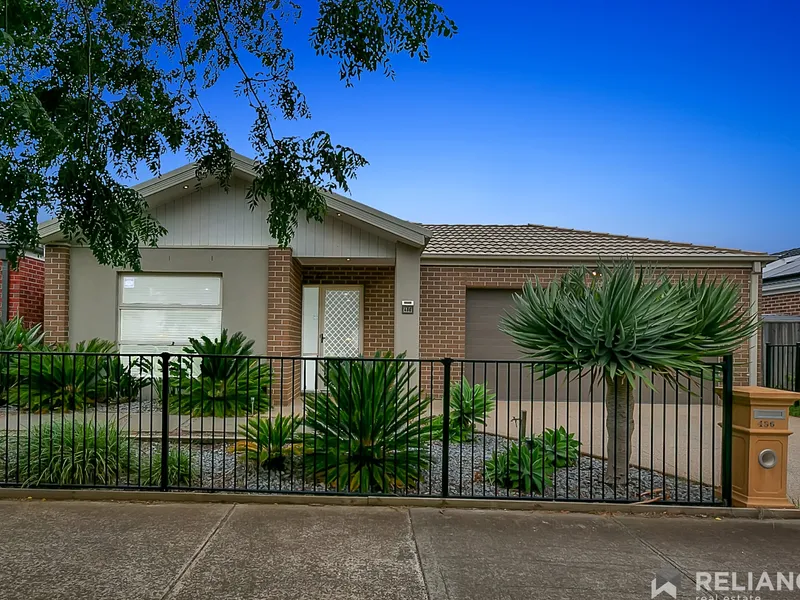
[284, 308]
[443, 295]
[787, 304]
[56, 294]
[26, 290]
[378, 283]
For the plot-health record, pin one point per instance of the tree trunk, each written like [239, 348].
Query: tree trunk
[619, 428]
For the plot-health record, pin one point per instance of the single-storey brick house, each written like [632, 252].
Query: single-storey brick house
[360, 282]
[21, 289]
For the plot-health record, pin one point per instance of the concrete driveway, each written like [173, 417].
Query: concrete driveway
[120, 551]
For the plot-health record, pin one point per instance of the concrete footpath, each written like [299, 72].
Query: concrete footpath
[92, 550]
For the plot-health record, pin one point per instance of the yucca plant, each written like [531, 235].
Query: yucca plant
[519, 467]
[367, 431]
[73, 454]
[469, 406]
[557, 446]
[60, 378]
[179, 469]
[268, 443]
[217, 379]
[16, 337]
[620, 321]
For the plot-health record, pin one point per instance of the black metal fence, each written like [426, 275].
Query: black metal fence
[782, 366]
[408, 427]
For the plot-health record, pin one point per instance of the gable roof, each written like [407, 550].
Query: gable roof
[540, 241]
[180, 178]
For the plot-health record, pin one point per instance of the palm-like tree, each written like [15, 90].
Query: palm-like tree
[621, 321]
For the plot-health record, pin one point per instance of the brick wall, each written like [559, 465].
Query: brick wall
[56, 294]
[378, 282]
[443, 291]
[26, 291]
[781, 304]
[284, 306]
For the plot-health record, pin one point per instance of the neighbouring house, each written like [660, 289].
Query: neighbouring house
[781, 310]
[21, 289]
[360, 282]
[782, 285]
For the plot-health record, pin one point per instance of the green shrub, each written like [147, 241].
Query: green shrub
[367, 432]
[73, 454]
[179, 469]
[267, 442]
[520, 467]
[59, 378]
[227, 383]
[558, 447]
[14, 336]
[469, 407]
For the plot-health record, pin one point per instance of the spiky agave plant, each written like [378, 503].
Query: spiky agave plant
[60, 378]
[519, 467]
[268, 442]
[74, 454]
[621, 321]
[469, 407]
[369, 431]
[16, 337]
[217, 378]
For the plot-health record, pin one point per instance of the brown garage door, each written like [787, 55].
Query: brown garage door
[513, 381]
[485, 342]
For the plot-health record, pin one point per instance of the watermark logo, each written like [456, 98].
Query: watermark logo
[665, 582]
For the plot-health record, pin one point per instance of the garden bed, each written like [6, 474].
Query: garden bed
[220, 469]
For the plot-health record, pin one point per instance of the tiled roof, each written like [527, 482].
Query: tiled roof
[545, 242]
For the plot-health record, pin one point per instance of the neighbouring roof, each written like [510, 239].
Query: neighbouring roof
[540, 241]
[783, 268]
[788, 253]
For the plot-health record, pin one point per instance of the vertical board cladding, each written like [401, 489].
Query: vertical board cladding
[443, 295]
[26, 290]
[56, 294]
[787, 304]
[378, 283]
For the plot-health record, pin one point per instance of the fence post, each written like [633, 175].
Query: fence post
[448, 363]
[164, 420]
[797, 367]
[727, 429]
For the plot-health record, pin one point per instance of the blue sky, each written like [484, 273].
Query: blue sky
[673, 120]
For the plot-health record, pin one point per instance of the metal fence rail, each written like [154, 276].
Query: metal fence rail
[409, 427]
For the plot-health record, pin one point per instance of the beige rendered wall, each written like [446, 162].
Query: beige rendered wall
[93, 289]
[406, 287]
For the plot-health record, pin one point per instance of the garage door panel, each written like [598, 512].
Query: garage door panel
[515, 381]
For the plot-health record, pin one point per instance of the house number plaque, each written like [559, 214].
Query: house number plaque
[407, 307]
[766, 417]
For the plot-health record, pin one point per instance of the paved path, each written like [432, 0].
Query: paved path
[121, 551]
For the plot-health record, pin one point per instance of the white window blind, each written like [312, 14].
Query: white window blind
[160, 312]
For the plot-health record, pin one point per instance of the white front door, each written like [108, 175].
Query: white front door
[332, 326]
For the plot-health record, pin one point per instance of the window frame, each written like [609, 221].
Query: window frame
[121, 306]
